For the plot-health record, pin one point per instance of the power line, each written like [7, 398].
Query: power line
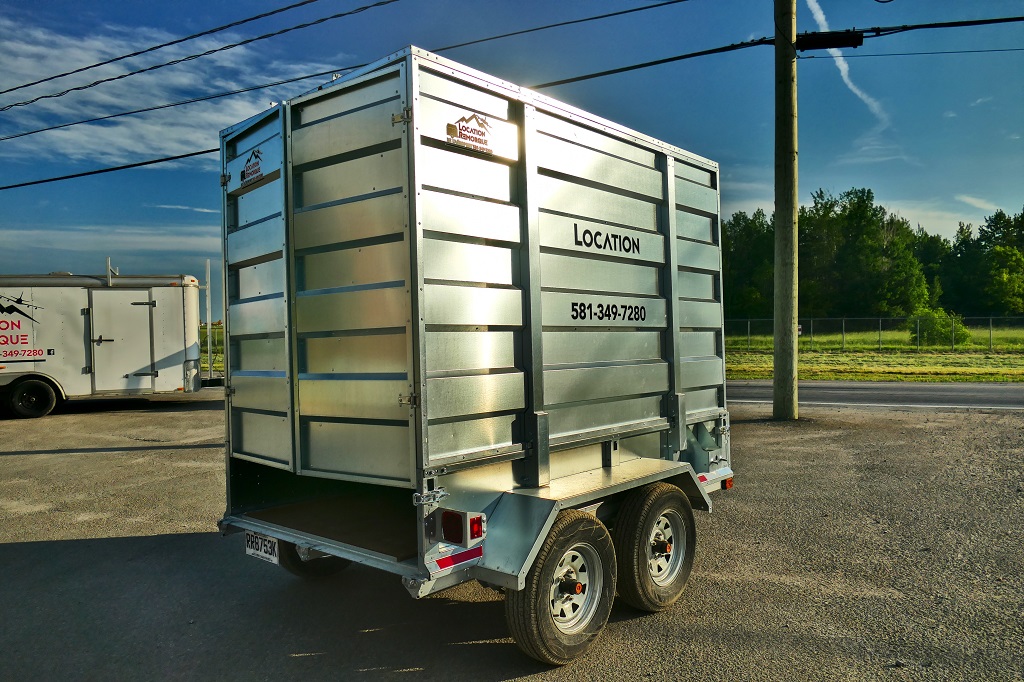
[160, 46]
[110, 169]
[657, 62]
[357, 10]
[327, 73]
[717, 50]
[907, 54]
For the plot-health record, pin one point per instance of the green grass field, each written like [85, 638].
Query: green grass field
[889, 366]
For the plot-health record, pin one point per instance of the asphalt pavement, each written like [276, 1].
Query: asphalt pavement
[889, 394]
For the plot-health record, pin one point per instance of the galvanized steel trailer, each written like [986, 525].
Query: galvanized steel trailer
[73, 336]
[469, 328]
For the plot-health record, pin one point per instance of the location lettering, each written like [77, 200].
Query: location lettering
[605, 241]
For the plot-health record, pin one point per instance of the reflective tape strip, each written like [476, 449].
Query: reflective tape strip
[461, 557]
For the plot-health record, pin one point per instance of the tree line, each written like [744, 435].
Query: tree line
[859, 260]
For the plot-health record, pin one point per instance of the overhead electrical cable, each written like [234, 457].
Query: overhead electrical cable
[717, 50]
[907, 54]
[247, 41]
[342, 69]
[160, 46]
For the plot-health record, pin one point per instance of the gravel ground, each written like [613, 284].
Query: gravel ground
[858, 544]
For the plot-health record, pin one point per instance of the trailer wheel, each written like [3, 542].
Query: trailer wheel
[569, 591]
[32, 398]
[654, 538]
[320, 567]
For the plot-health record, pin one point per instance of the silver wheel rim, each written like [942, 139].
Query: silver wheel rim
[572, 612]
[665, 566]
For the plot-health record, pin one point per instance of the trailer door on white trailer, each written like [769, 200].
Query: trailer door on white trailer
[122, 346]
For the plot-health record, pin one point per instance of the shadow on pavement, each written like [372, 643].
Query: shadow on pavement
[195, 607]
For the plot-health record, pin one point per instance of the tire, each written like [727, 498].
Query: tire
[651, 520]
[32, 398]
[321, 567]
[569, 591]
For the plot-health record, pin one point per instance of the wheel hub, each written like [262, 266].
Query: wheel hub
[664, 563]
[575, 590]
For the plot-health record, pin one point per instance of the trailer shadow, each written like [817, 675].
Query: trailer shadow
[195, 607]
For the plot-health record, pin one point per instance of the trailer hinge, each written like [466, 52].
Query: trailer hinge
[224, 179]
[403, 117]
[411, 400]
[85, 311]
[429, 497]
[723, 429]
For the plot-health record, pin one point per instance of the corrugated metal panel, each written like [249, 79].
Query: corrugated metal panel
[562, 348]
[361, 265]
[701, 372]
[469, 351]
[261, 393]
[698, 227]
[591, 275]
[619, 175]
[697, 285]
[369, 309]
[434, 85]
[257, 317]
[587, 202]
[452, 438]
[346, 133]
[364, 353]
[259, 354]
[353, 399]
[696, 196]
[356, 449]
[594, 383]
[457, 172]
[700, 315]
[370, 217]
[698, 256]
[335, 102]
[469, 217]
[695, 344]
[454, 261]
[361, 176]
[480, 394]
[577, 419]
[445, 304]
[262, 435]
[572, 132]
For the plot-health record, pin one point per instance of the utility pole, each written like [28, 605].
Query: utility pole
[785, 405]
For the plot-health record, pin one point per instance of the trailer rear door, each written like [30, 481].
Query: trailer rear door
[122, 339]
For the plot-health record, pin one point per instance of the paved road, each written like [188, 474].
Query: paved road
[889, 394]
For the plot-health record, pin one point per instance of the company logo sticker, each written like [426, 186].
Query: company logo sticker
[252, 171]
[17, 306]
[472, 132]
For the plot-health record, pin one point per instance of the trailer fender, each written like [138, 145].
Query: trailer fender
[516, 529]
[7, 381]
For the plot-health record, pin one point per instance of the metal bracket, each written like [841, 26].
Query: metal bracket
[411, 400]
[403, 117]
[224, 179]
[146, 374]
[429, 497]
[151, 304]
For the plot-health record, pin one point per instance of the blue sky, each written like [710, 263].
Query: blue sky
[938, 138]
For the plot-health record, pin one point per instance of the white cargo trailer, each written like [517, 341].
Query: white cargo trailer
[470, 329]
[64, 336]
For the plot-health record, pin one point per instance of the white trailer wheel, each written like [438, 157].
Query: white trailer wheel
[654, 536]
[569, 591]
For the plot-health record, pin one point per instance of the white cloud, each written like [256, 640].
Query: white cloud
[981, 100]
[873, 146]
[110, 239]
[29, 53]
[949, 114]
[976, 202]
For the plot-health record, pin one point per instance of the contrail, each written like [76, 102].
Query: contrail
[844, 70]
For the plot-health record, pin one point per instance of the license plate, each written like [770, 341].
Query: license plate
[262, 547]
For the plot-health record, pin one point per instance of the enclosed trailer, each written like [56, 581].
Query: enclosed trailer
[470, 328]
[64, 336]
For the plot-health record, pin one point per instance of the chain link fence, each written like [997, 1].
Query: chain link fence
[932, 333]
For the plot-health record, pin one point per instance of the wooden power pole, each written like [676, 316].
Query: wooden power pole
[785, 405]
